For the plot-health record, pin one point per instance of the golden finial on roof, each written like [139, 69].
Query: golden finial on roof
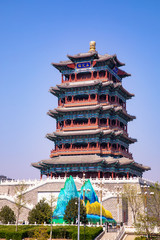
[92, 46]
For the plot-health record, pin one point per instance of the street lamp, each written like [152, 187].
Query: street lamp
[78, 217]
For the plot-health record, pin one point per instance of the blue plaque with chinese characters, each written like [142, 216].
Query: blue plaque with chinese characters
[83, 65]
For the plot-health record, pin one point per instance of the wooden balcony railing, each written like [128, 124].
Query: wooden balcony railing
[90, 150]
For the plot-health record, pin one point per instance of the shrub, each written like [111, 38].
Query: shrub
[7, 215]
[68, 232]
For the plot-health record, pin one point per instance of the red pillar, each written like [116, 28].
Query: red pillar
[107, 98]
[41, 176]
[72, 123]
[62, 78]
[47, 175]
[97, 74]
[112, 175]
[117, 146]
[87, 146]
[106, 74]
[127, 175]
[92, 75]
[51, 175]
[75, 76]
[107, 121]
[72, 100]
[99, 174]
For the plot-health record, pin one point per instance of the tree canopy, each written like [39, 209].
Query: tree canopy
[7, 215]
[71, 212]
[40, 213]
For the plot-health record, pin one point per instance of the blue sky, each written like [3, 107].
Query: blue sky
[35, 33]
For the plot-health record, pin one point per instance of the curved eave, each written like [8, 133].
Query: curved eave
[78, 159]
[50, 137]
[52, 114]
[55, 89]
[116, 110]
[141, 166]
[125, 74]
[127, 94]
[78, 109]
[59, 88]
[37, 165]
[88, 159]
[122, 112]
[55, 93]
[80, 84]
[119, 64]
[120, 134]
[62, 65]
[111, 58]
[77, 133]
[83, 55]
[116, 134]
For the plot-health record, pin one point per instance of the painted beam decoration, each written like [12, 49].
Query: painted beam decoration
[83, 65]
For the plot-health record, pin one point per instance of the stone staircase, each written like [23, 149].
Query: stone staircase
[109, 236]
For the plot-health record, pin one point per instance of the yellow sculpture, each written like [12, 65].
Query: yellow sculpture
[94, 209]
[92, 46]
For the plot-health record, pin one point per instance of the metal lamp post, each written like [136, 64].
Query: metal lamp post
[101, 203]
[78, 217]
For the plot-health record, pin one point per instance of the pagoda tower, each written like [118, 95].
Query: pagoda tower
[91, 135]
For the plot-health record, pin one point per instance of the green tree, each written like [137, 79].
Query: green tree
[148, 216]
[153, 203]
[134, 199]
[71, 212]
[20, 201]
[52, 203]
[40, 213]
[7, 215]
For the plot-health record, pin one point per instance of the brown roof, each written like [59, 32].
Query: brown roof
[111, 60]
[83, 55]
[79, 84]
[68, 85]
[84, 159]
[110, 107]
[54, 135]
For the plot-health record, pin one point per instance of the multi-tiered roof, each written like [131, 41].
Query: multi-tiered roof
[91, 135]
